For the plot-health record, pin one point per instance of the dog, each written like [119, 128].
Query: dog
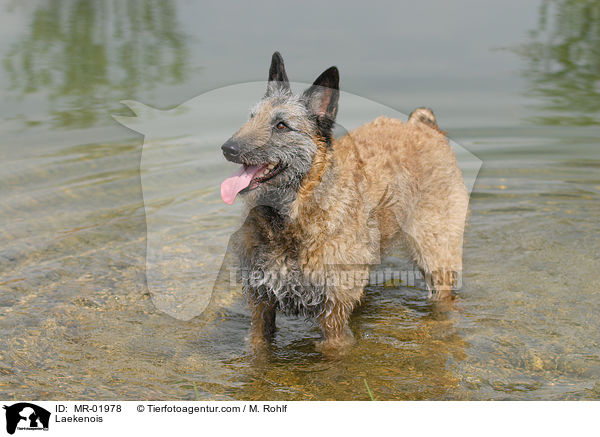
[320, 209]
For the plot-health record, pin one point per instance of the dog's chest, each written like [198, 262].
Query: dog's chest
[275, 273]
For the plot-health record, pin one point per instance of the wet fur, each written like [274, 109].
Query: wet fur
[339, 205]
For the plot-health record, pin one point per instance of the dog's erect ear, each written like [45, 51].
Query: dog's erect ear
[278, 80]
[322, 97]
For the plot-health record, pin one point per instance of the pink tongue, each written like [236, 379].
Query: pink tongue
[237, 182]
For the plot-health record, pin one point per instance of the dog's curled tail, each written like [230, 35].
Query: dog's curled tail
[425, 116]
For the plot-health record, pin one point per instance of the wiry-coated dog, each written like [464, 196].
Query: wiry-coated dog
[321, 210]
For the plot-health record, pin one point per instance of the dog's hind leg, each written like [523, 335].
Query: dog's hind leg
[434, 237]
[262, 328]
[439, 259]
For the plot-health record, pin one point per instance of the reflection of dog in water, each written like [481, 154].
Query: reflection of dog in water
[26, 415]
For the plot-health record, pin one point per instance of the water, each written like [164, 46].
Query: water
[516, 84]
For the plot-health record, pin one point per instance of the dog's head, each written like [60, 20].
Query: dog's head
[276, 147]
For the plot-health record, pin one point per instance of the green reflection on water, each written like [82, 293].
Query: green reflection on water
[86, 56]
[563, 62]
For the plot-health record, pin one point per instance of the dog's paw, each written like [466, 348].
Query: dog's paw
[260, 350]
[336, 347]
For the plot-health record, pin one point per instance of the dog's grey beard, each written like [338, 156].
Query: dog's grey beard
[278, 200]
[281, 197]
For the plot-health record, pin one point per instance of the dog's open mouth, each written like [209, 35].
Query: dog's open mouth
[247, 178]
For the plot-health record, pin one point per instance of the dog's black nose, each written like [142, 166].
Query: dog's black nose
[231, 149]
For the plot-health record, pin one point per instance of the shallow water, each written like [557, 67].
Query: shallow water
[515, 84]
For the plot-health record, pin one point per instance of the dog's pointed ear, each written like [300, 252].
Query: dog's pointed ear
[278, 80]
[322, 97]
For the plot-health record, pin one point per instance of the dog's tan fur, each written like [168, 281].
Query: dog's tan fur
[383, 182]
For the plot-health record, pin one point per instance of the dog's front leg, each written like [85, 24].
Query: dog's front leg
[334, 324]
[262, 328]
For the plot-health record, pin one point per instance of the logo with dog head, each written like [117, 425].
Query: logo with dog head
[26, 416]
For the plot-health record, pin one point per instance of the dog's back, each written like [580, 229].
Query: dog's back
[411, 169]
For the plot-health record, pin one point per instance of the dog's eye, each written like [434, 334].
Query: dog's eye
[281, 126]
